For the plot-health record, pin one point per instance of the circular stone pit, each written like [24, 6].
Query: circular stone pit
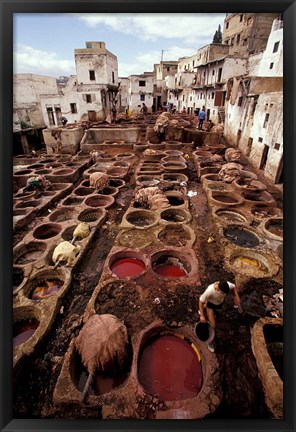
[99, 200]
[128, 264]
[241, 236]
[46, 231]
[175, 216]
[177, 236]
[91, 215]
[141, 219]
[63, 214]
[25, 254]
[172, 264]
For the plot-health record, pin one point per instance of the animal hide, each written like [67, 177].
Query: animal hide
[102, 343]
[98, 180]
[65, 251]
[81, 231]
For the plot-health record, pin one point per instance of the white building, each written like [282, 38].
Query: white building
[140, 91]
[27, 89]
[88, 95]
[254, 112]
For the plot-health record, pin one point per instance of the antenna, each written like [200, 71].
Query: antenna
[161, 55]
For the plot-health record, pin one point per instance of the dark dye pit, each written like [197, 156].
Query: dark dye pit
[169, 367]
[127, 267]
[23, 330]
[46, 288]
[241, 237]
[225, 199]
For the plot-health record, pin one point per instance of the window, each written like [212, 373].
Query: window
[142, 97]
[113, 78]
[240, 101]
[266, 120]
[73, 108]
[238, 38]
[227, 25]
[213, 73]
[275, 47]
[241, 17]
[92, 75]
[168, 69]
[213, 94]
[271, 66]
[142, 83]
[277, 146]
[260, 139]
[193, 62]
[88, 98]
[88, 45]
[190, 98]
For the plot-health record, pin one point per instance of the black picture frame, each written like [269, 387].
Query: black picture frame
[10, 7]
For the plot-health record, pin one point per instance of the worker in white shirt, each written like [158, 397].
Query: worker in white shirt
[212, 299]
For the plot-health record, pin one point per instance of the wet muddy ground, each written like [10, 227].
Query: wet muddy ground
[243, 395]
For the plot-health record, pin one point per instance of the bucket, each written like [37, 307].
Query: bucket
[204, 332]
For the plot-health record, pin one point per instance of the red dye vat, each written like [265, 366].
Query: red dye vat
[46, 289]
[170, 271]
[23, 330]
[127, 267]
[169, 367]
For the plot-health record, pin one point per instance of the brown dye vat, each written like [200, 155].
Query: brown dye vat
[35, 166]
[170, 368]
[23, 172]
[118, 183]
[140, 219]
[124, 155]
[274, 342]
[47, 231]
[57, 187]
[29, 253]
[62, 215]
[275, 226]
[18, 277]
[121, 164]
[83, 191]
[175, 178]
[175, 200]
[54, 165]
[46, 288]
[71, 201]
[224, 198]
[23, 330]
[174, 236]
[42, 171]
[99, 201]
[68, 233]
[241, 237]
[263, 212]
[49, 160]
[109, 190]
[90, 215]
[63, 172]
[174, 216]
[32, 203]
[85, 184]
[230, 216]
[216, 187]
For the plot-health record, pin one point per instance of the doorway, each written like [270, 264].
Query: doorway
[264, 157]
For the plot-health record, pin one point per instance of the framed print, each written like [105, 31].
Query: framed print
[147, 209]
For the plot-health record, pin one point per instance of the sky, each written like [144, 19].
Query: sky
[44, 44]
